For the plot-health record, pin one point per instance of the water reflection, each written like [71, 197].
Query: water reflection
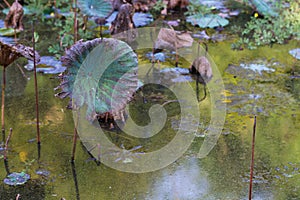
[187, 181]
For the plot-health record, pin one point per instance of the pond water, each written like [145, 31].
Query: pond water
[271, 93]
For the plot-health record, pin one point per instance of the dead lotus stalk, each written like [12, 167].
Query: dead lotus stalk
[8, 54]
[252, 159]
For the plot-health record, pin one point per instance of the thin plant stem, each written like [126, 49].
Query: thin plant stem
[36, 95]
[15, 35]
[6, 144]
[75, 20]
[2, 6]
[101, 36]
[75, 180]
[3, 103]
[74, 144]
[252, 159]
[7, 4]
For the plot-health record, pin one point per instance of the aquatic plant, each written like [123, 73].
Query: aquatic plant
[264, 31]
[16, 178]
[201, 15]
[101, 94]
[8, 31]
[157, 8]
[172, 40]
[99, 8]
[14, 18]
[207, 21]
[126, 61]
[269, 30]
[201, 67]
[8, 54]
[195, 7]
[66, 35]
[69, 32]
[252, 158]
[263, 8]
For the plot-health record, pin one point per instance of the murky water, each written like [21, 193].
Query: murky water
[270, 93]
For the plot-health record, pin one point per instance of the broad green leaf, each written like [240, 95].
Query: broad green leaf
[8, 31]
[263, 8]
[207, 21]
[102, 74]
[99, 8]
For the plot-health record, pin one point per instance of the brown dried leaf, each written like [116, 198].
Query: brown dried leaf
[171, 40]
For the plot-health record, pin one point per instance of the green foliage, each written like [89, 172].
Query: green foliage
[66, 35]
[37, 8]
[207, 21]
[263, 8]
[9, 31]
[159, 5]
[99, 8]
[107, 65]
[201, 15]
[196, 8]
[270, 30]
[292, 16]
[157, 8]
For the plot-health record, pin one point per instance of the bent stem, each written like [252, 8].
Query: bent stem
[74, 145]
[252, 159]
[5, 151]
[3, 103]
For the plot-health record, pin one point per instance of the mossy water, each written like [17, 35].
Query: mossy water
[223, 174]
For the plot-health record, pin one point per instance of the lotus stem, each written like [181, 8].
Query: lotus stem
[7, 4]
[2, 6]
[74, 144]
[101, 36]
[36, 95]
[75, 180]
[75, 20]
[3, 103]
[252, 159]
[15, 35]
[6, 144]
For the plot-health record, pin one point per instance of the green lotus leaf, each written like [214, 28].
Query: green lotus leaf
[101, 74]
[99, 8]
[263, 8]
[207, 21]
[8, 31]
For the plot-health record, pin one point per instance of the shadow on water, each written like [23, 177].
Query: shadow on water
[34, 189]
[75, 180]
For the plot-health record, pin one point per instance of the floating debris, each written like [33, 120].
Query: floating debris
[176, 75]
[214, 4]
[255, 88]
[172, 22]
[139, 19]
[124, 155]
[42, 172]
[54, 65]
[161, 57]
[295, 53]
[3, 34]
[202, 35]
[257, 67]
[16, 178]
